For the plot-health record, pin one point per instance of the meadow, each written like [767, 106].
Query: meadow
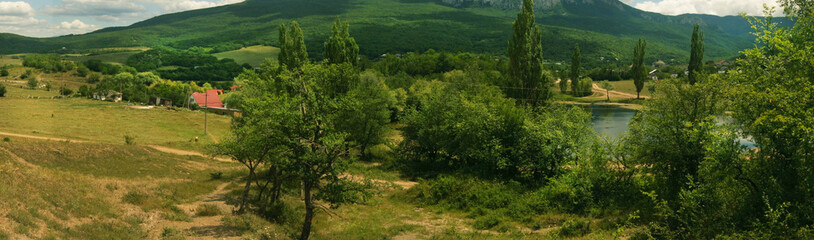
[253, 55]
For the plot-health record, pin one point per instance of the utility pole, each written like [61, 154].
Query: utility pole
[207, 106]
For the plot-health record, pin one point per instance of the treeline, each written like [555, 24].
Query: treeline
[48, 63]
[186, 65]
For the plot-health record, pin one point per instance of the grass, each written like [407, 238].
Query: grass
[628, 87]
[106, 122]
[207, 210]
[253, 55]
[113, 57]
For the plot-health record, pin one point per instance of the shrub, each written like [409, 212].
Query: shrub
[32, 83]
[487, 222]
[94, 78]
[244, 223]
[216, 175]
[171, 233]
[2, 90]
[4, 73]
[65, 91]
[574, 228]
[6, 139]
[129, 140]
[207, 210]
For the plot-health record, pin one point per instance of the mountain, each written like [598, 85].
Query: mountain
[605, 29]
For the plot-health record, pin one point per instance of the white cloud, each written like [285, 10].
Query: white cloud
[713, 7]
[185, 5]
[95, 8]
[16, 9]
[77, 25]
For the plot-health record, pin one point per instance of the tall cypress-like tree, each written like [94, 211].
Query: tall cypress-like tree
[696, 55]
[285, 46]
[341, 47]
[293, 53]
[575, 62]
[526, 59]
[638, 71]
[298, 53]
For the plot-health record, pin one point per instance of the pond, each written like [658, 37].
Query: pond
[611, 121]
[614, 121]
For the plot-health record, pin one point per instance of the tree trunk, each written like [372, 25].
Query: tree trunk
[245, 197]
[607, 93]
[309, 212]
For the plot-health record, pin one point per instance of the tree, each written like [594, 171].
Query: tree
[82, 70]
[528, 80]
[341, 47]
[574, 74]
[608, 87]
[638, 71]
[368, 112]
[293, 53]
[563, 84]
[2, 90]
[65, 91]
[696, 55]
[33, 83]
[48, 86]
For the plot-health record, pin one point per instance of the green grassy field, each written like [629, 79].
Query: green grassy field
[106, 122]
[254, 55]
[628, 87]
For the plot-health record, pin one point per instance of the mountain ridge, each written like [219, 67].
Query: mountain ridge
[603, 28]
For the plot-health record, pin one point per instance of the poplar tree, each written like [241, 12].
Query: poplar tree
[341, 47]
[575, 72]
[696, 55]
[293, 53]
[638, 71]
[526, 60]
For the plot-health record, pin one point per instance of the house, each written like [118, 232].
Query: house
[235, 88]
[659, 64]
[158, 101]
[108, 95]
[207, 100]
[653, 75]
[722, 66]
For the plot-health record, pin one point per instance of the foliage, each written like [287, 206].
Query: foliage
[574, 228]
[696, 55]
[341, 47]
[638, 71]
[368, 112]
[608, 87]
[33, 83]
[94, 78]
[2, 90]
[471, 128]
[207, 210]
[107, 68]
[188, 65]
[574, 75]
[48, 63]
[82, 70]
[293, 53]
[64, 91]
[530, 84]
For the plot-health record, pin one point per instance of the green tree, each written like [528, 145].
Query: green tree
[696, 55]
[341, 47]
[368, 113]
[2, 90]
[608, 87]
[48, 86]
[563, 85]
[293, 53]
[82, 70]
[638, 71]
[574, 74]
[526, 72]
[33, 83]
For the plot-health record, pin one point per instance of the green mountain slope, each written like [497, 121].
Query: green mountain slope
[603, 28]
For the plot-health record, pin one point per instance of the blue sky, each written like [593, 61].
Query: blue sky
[45, 18]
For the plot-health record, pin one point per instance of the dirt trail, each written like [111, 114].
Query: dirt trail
[159, 148]
[604, 92]
[209, 227]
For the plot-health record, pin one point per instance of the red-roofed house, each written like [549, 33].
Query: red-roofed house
[209, 99]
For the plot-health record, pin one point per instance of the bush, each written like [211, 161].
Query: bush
[94, 78]
[6, 139]
[33, 83]
[2, 90]
[171, 234]
[129, 140]
[207, 210]
[65, 91]
[574, 228]
[216, 175]
[487, 222]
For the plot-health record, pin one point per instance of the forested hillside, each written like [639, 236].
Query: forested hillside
[604, 28]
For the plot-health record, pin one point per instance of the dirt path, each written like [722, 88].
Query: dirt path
[201, 227]
[604, 92]
[159, 148]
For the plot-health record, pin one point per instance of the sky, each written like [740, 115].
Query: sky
[47, 18]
